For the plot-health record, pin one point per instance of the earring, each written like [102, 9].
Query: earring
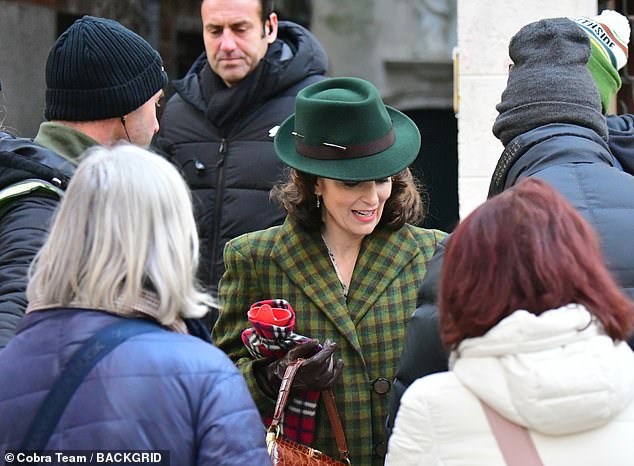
[318, 203]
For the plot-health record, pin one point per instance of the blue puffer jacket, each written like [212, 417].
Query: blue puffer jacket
[577, 162]
[156, 391]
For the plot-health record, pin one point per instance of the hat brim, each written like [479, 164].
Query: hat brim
[392, 160]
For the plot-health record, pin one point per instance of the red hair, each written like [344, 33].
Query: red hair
[526, 248]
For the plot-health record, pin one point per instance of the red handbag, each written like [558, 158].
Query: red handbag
[285, 452]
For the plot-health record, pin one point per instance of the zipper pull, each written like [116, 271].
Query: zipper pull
[222, 150]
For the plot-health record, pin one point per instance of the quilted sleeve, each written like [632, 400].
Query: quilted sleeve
[412, 441]
[23, 229]
[231, 431]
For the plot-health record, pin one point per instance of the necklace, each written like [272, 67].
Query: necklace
[334, 264]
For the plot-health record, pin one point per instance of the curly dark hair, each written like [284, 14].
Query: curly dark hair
[297, 197]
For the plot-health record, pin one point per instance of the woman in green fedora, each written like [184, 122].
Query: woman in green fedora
[347, 259]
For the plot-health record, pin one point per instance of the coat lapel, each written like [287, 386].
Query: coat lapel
[384, 255]
[304, 258]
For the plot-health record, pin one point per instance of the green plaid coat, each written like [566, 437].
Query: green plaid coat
[369, 328]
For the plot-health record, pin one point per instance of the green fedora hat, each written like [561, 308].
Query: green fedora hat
[341, 129]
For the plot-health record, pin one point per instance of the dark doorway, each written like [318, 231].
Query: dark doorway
[437, 165]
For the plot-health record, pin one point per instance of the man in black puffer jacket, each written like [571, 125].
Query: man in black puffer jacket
[552, 127]
[218, 128]
[32, 180]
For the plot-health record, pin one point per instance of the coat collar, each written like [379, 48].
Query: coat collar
[64, 140]
[303, 256]
[548, 145]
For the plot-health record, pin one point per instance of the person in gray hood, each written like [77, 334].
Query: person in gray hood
[218, 127]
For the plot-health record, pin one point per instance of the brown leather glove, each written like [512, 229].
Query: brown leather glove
[318, 372]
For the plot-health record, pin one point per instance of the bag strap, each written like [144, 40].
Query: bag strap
[80, 363]
[329, 402]
[514, 441]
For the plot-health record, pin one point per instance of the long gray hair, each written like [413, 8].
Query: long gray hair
[124, 227]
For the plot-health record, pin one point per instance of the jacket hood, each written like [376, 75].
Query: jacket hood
[545, 146]
[556, 373]
[621, 140]
[295, 55]
[308, 56]
[21, 159]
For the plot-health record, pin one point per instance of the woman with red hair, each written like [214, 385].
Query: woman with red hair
[536, 326]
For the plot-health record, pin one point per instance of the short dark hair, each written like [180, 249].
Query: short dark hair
[297, 197]
[267, 7]
[527, 248]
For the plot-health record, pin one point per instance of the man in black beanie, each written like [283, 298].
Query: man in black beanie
[103, 83]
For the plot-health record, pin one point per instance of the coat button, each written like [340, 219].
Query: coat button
[380, 449]
[381, 385]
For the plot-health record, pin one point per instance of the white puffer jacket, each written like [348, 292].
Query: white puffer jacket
[556, 374]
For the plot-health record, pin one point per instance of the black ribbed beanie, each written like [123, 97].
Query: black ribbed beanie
[99, 69]
[549, 81]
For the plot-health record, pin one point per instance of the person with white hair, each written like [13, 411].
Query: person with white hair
[123, 249]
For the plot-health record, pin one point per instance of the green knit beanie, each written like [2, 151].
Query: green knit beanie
[609, 35]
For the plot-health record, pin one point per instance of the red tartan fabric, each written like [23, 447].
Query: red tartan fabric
[271, 336]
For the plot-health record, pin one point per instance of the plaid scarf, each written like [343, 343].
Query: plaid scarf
[271, 337]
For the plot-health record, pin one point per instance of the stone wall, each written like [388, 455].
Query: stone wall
[26, 34]
[402, 46]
